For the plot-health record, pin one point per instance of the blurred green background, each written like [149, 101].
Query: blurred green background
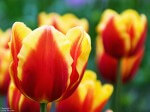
[136, 94]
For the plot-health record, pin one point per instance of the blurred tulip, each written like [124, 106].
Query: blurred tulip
[48, 65]
[107, 65]
[90, 96]
[62, 23]
[17, 102]
[124, 34]
[4, 61]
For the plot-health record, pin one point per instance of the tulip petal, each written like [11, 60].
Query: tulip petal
[4, 83]
[13, 97]
[71, 104]
[28, 105]
[106, 64]
[19, 103]
[138, 44]
[4, 72]
[19, 32]
[62, 23]
[101, 99]
[80, 50]
[112, 38]
[135, 26]
[45, 53]
[130, 65]
[49, 19]
[89, 99]
[107, 15]
[97, 93]
[69, 21]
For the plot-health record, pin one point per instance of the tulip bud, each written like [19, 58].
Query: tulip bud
[48, 65]
[90, 96]
[62, 23]
[19, 103]
[122, 34]
[107, 64]
[4, 61]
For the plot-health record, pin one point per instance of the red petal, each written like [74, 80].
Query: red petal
[113, 43]
[71, 104]
[107, 66]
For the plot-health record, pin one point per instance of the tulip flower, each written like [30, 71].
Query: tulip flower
[107, 64]
[62, 23]
[19, 103]
[4, 61]
[48, 65]
[122, 34]
[90, 96]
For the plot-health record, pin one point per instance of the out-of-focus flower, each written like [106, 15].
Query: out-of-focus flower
[4, 61]
[90, 96]
[19, 103]
[107, 65]
[48, 65]
[62, 23]
[122, 34]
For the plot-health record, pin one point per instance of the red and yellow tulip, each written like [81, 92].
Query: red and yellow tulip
[4, 61]
[48, 65]
[17, 102]
[90, 96]
[122, 34]
[107, 64]
[62, 23]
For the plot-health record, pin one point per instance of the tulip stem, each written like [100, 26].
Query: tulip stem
[118, 87]
[43, 107]
[53, 107]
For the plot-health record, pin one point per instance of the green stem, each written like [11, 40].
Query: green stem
[53, 107]
[43, 107]
[118, 87]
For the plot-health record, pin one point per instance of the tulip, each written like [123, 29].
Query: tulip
[90, 96]
[107, 64]
[47, 65]
[4, 61]
[122, 34]
[62, 23]
[19, 103]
